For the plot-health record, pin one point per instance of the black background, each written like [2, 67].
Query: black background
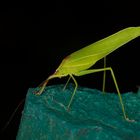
[35, 39]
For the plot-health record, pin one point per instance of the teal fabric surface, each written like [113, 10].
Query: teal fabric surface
[92, 116]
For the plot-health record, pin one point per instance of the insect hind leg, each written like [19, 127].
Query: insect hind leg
[104, 76]
[115, 82]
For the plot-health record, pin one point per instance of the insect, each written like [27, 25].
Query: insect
[79, 62]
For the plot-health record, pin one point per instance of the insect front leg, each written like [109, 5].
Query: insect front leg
[43, 85]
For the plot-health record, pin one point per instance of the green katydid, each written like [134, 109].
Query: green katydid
[79, 62]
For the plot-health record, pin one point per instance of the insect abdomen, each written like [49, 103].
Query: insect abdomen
[101, 48]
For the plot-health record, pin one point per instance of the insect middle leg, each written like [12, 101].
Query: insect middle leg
[76, 85]
[66, 83]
